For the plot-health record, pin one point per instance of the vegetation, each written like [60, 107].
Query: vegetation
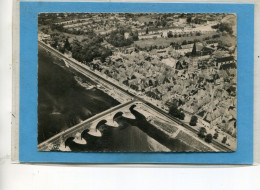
[215, 135]
[147, 31]
[193, 120]
[184, 42]
[67, 45]
[202, 132]
[89, 51]
[208, 138]
[175, 112]
[117, 38]
[198, 33]
[224, 140]
[57, 41]
[189, 20]
[165, 42]
[223, 27]
[170, 34]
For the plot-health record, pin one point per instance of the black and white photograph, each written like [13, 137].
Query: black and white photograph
[137, 82]
[129, 95]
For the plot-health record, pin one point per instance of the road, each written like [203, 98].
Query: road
[218, 145]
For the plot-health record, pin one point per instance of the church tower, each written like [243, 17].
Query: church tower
[193, 52]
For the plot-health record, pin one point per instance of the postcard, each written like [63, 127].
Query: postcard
[135, 81]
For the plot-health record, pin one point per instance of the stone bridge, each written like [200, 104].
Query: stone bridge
[107, 117]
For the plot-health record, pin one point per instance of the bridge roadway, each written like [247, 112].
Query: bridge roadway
[216, 144]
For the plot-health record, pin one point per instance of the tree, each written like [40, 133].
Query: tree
[67, 45]
[117, 38]
[164, 23]
[184, 42]
[76, 50]
[181, 115]
[105, 53]
[215, 135]
[224, 140]
[182, 15]
[208, 138]
[134, 35]
[54, 43]
[175, 112]
[170, 34]
[188, 20]
[223, 27]
[198, 33]
[61, 49]
[89, 50]
[202, 132]
[147, 31]
[193, 120]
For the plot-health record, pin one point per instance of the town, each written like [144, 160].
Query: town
[184, 64]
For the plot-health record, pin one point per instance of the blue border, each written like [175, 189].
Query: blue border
[28, 84]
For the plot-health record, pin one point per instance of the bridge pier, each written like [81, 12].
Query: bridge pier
[128, 114]
[94, 132]
[63, 148]
[78, 139]
[62, 144]
[111, 122]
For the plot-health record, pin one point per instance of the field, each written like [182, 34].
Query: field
[70, 36]
[165, 42]
[192, 141]
[146, 19]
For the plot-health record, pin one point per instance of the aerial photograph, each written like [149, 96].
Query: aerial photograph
[137, 82]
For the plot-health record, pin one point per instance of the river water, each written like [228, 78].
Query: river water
[63, 102]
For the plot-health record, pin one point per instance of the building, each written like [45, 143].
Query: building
[224, 61]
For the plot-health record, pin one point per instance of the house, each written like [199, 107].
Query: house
[169, 62]
[223, 61]
[43, 36]
[178, 66]
[231, 127]
[206, 51]
[176, 46]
